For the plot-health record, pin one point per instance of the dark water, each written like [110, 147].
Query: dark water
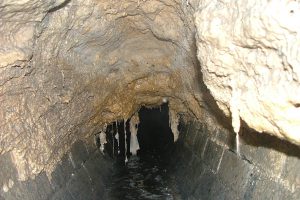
[144, 177]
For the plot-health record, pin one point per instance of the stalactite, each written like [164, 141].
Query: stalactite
[113, 143]
[234, 109]
[173, 123]
[134, 144]
[125, 140]
[102, 137]
[117, 136]
[118, 142]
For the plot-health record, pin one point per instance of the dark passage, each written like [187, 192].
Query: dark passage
[154, 134]
[145, 175]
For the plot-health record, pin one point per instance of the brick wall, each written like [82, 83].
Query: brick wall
[81, 174]
[209, 167]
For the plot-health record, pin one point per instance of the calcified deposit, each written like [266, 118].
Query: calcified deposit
[69, 67]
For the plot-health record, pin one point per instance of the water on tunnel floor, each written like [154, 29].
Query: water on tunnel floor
[143, 177]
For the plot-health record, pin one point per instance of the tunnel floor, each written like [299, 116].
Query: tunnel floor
[145, 177]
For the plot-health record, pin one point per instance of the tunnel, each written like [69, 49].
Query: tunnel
[149, 99]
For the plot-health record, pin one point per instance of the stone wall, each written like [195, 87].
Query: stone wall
[205, 164]
[208, 166]
[81, 174]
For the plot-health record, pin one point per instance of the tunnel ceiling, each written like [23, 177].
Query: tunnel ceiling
[69, 67]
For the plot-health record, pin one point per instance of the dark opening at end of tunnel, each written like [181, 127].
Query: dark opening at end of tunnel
[154, 135]
[154, 132]
[143, 174]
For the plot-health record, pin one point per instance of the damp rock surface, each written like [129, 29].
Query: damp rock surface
[249, 58]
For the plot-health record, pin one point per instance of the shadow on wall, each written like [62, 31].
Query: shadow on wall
[256, 139]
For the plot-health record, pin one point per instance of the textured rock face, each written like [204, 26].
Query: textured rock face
[250, 62]
[69, 67]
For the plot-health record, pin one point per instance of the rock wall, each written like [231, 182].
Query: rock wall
[250, 61]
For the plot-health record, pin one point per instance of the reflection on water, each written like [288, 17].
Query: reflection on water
[143, 177]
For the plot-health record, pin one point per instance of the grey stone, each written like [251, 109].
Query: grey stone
[191, 198]
[206, 130]
[267, 159]
[91, 145]
[62, 173]
[191, 133]
[268, 189]
[291, 172]
[251, 185]
[32, 189]
[85, 183]
[184, 128]
[235, 173]
[7, 169]
[266, 152]
[78, 154]
[295, 194]
[44, 186]
[220, 191]
[187, 155]
[62, 194]
[80, 186]
[204, 189]
[200, 142]
[58, 178]
[38, 189]
[191, 177]
[211, 187]
[97, 170]
[212, 155]
[17, 192]
[227, 138]
[101, 164]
